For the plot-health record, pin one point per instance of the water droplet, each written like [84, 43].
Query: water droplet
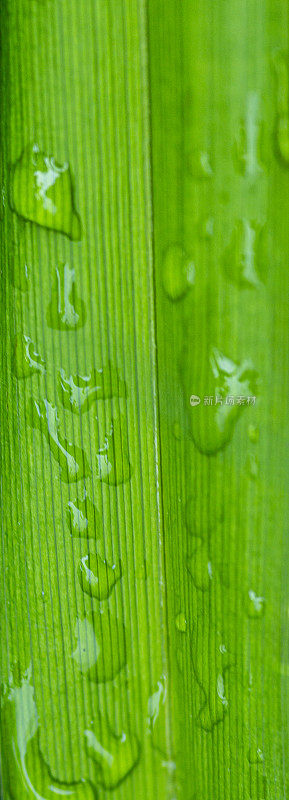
[25, 773]
[241, 257]
[200, 567]
[113, 461]
[71, 458]
[100, 651]
[255, 605]
[178, 272]
[42, 192]
[229, 387]
[248, 141]
[26, 360]
[282, 97]
[115, 756]
[177, 431]
[83, 518]
[206, 228]
[181, 622]
[79, 392]
[97, 578]
[253, 466]
[199, 164]
[255, 755]
[211, 662]
[253, 433]
[66, 311]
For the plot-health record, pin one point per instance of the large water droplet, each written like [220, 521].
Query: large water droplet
[24, 771]
[26, 360]
[280, 62]
[113, 460]
[70, 457]
[178, 272]
[66, 311]
[115, 756]
[248, 141]
[200, 567]
[42, 192]
[97, 578]
[241, 258]
[155, 722]
[255, 605]
[100, 651]
[80, 391]
[83, 518]
[228, 388]
[211, 661]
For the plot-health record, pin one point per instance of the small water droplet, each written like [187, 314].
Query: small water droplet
[199, 165]
[113, 460]
[78, 392]
[41, 191]
[178, 272]
[66, 311]
[26, 360]
[97, 578]
[177, 431]
[181, 622]
[100, 651]
[115, 756]
[83, 518]
[253, 433]
[242, 256]
[255, 605]
[253, 466]
[255, 755]
[206, 228]
[247, 150]
[71, 458]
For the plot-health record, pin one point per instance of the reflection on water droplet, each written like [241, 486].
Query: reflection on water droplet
[66, 311]
[212, 425]
[242, 256]
[25, 773]
[255, 605]
[199, 165]
[41, 191]
[282, 101]
[78, 392]
[25, 360]
[115, 756]
[100, 651]
[71, 458]
[248, 141]
[83, 518]
[97, 578]
[181, 622]
[113, 460]
[178, 272]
